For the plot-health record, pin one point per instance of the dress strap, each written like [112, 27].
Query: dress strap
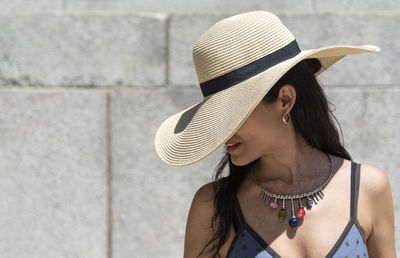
[237, 216]
[355, 185]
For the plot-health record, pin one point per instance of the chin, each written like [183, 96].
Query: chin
[243, 160]
[238, 162]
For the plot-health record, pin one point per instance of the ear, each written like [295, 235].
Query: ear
[287, 98]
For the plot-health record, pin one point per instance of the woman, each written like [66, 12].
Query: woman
[292, 189]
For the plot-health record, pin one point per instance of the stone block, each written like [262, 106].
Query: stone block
[365, 115]
[346, 103]
[89, 49]
[357, 6]
[182, 6]
[151, 199]
[382, 131]
[22, 6]
[53, 174]
[368, 68]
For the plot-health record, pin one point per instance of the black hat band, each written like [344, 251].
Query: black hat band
[245, 72]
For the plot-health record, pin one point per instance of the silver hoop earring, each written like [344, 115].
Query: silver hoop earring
[286, 120]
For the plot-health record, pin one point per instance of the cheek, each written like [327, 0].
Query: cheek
[255, 138]
[263, 135]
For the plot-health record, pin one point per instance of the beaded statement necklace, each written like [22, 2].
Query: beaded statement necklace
[312, 196]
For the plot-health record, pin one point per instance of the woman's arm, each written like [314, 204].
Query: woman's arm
[198, 225]
[380, 242]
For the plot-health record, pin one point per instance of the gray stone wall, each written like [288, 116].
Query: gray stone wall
[85, 84]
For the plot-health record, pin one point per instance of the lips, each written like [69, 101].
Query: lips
[230, 147]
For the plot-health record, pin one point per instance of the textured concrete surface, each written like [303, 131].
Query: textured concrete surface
[102, 50]
[53, 174]
[353, 6]
[23, 6]
[182, 6]
[362, 69]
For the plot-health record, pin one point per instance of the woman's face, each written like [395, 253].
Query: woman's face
[263, 132]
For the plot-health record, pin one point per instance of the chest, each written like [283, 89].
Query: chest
[349, 244]
[325, 228]
[314, 238]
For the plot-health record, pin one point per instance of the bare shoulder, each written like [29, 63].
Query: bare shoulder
[203, 201]
[206, 192]
[198, 226]
[376, 195]
[374, 181]
[375, 188]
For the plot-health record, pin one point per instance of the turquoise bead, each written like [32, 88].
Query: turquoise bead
[293, 222]
[309, 203]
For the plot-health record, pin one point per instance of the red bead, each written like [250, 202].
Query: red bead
[273, 205]
[300, 213]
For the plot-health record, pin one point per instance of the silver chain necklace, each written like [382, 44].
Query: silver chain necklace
[312, 196]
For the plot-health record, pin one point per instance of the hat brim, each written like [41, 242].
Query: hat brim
[196, 132]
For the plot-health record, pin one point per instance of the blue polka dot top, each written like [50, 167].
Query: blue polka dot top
[351, 243]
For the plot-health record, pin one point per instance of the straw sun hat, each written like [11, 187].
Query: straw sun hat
[237, 62]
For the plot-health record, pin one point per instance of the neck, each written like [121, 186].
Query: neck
[292, 166]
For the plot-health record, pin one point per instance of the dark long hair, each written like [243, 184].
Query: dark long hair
[312, 119]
